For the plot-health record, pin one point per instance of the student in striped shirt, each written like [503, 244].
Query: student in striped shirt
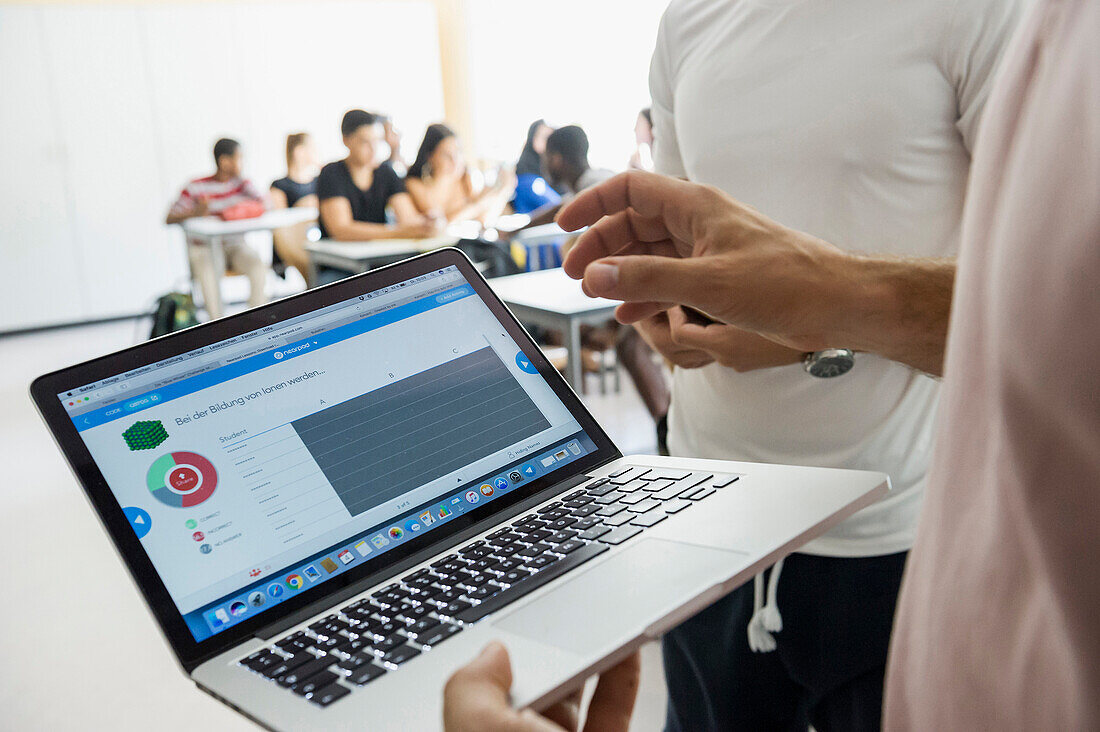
[212, 195]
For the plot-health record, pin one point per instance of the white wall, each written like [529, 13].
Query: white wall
[107, 110]
[580, 62]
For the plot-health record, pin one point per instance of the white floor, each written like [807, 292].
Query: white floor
[78, 649]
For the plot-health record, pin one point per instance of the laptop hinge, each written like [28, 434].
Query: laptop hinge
[329, 601]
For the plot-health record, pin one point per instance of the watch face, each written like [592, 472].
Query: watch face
[828, 365]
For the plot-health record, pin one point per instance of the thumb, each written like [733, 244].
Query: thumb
[644, 278]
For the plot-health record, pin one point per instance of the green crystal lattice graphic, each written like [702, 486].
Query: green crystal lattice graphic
[145, 435]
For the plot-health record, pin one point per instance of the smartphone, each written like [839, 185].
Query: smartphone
[698, 317]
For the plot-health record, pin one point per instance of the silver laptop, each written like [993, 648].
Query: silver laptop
[331, 502]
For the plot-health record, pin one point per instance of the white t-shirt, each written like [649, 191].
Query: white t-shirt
[851, 120]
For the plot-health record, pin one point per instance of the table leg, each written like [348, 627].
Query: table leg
[574, 372]
[217, 259]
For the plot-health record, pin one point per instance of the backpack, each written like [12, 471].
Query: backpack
[174, 311]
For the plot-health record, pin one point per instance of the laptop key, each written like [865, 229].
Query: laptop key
[610, 509]
[671, 492]
[351, 663]
[633, 498]
[531, 583]
[700, 493]
[634, 485]
[305, 671]
[725, 481]
[563, 523]
[457, 607]
[329, 694]
[365, 674]
[561, 536]
[484, 592]
[419, 628]
[644, 506]
[260, 660]
[574, 495]
[439, 635]
[539, 563]
[594, 533]
[585, 510]
[696, 479]
[619, 535]
[587, 523]
[569, 546]
[676, 506]
[281, 669]
[549, 507]
[515, 576]
[313, 683]
[619, 519]
[625, 476]
[609, 498]
[400, 654]
[603, 490]
[669, 474]
[648, 519]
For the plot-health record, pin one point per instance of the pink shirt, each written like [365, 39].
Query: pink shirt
[999, 618]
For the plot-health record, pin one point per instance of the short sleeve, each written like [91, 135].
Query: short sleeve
[392, 183]
[328, 183]
[666, 147]
[977, 34]
[184, 204]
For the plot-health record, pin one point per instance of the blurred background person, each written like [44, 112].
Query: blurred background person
[532, 190]
[642, 158]
[392, 136]
[441, 186]
[210, 196]
[565, 162]
[297, 188]
[355, 193]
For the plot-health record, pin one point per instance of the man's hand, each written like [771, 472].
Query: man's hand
[202, 207]
[476, 699]
[696, 246]
[655, 241]
[655, 331]
[730, 346]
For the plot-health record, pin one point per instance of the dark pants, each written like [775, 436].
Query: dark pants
[828, 667]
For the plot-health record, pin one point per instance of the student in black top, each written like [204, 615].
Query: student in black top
[355, 192]
[297, 188]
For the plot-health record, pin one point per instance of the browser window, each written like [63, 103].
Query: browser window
[253, 468]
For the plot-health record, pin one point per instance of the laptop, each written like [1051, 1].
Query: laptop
[331, 502]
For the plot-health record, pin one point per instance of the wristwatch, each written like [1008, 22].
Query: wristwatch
[828, 363]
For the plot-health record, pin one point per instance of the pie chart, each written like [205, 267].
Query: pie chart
[182, 479]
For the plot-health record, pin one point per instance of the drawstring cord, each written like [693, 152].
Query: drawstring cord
[765, 617]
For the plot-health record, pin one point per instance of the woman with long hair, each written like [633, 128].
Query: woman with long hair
[297, 188]
[442, 187]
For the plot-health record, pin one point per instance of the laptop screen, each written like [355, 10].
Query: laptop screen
[258, 467]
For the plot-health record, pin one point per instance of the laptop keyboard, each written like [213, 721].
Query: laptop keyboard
[377, 634]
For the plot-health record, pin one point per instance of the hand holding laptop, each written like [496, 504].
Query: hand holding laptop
[476, 698]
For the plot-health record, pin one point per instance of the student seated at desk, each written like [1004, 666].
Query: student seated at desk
[442, 187]
[532, 190]
[209, 196]
[297, 188]
[355, 192]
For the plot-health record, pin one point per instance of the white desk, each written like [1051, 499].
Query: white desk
[361, 256]
[551, 299]
[211, 230]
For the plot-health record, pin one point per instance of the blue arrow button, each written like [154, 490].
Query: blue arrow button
[525, 363]
[139, 520]
[528, 470]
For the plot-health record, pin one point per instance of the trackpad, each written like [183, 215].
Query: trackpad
[624, 595]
